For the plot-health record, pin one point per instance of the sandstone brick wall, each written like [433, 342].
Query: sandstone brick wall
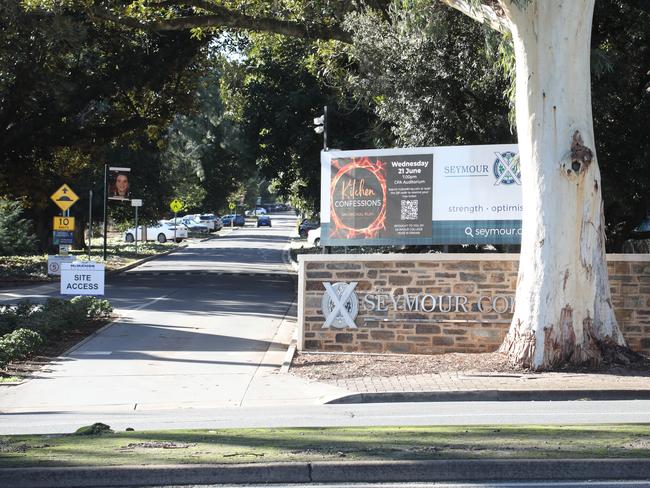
[470, 277]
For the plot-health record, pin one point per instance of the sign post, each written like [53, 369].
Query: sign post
[119, 190]
[175, 205]
[136, 203]
[90, 222]
[63, 226]
[232, 206]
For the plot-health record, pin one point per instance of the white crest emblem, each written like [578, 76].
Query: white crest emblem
[340, 305]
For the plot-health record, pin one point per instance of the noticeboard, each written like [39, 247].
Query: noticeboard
[421, 196]
[62, 237]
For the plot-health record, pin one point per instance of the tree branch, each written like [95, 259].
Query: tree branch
[483, 13]
[223, 17]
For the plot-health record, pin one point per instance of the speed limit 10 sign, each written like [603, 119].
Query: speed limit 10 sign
[63, 223]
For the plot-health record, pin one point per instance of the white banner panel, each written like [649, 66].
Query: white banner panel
[477, 183]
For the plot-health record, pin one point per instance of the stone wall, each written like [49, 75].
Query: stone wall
[437, 303]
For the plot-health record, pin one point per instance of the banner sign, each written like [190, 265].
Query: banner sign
[119, 187]
[441, 195]
[82, 278]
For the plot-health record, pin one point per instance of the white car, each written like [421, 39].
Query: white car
[313, 237]
[254, 213]
[163, 231]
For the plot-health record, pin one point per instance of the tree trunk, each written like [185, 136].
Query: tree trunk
[563, 311]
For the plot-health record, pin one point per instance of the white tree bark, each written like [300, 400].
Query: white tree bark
[563, 309]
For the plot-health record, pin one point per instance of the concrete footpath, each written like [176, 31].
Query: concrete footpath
[479, 470]
[456, 386]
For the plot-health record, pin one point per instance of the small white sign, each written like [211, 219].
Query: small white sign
[54, 263]
[82, 278]
[136, 202]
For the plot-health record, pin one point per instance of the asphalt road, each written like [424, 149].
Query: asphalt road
[519, 484]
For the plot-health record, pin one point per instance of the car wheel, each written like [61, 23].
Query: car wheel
[162, 238]
[129, 237]
[316, 242]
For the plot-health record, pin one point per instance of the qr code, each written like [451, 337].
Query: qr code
[409, 209]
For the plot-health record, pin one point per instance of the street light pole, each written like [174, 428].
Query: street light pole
[325, 128]
[321, 127]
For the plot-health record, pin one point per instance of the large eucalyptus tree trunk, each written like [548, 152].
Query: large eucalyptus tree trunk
[563, 310]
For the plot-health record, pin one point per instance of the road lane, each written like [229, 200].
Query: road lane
[194, 329]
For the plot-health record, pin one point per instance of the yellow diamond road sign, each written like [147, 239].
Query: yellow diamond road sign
[176, 205]
[64, 197]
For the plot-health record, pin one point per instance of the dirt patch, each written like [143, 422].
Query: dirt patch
[157, 445]
[331, 367]
[13, 447]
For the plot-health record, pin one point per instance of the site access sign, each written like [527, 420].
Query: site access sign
[82, 278]
[431, 195]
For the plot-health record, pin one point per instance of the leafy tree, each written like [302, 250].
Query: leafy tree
[426, 72]
[621, 103]
[16, 233]
[274, 96]
[205, 151]
[71, 89]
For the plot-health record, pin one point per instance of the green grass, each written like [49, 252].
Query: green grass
[27, 268]
[326, 444]
[10, 379]
[119, 253]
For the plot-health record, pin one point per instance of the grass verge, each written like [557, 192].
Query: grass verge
[326, 444]
[119, 254]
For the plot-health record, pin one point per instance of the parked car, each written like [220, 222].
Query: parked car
[306, 225]
[264, 220]
[641, 231]
[231, 219]
[194, 225]
[256, 212]
[211, 220]
[163, 231]
[313, 237]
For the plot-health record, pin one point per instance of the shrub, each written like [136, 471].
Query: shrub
[19, 344]
[94, 308]
[13, 317]
[16, 234]
[99, 309]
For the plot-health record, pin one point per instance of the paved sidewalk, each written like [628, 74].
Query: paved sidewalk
[494, 381]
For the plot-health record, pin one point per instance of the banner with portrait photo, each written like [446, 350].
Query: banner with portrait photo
[119, 183]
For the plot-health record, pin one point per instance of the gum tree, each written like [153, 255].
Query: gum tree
[564, 312]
